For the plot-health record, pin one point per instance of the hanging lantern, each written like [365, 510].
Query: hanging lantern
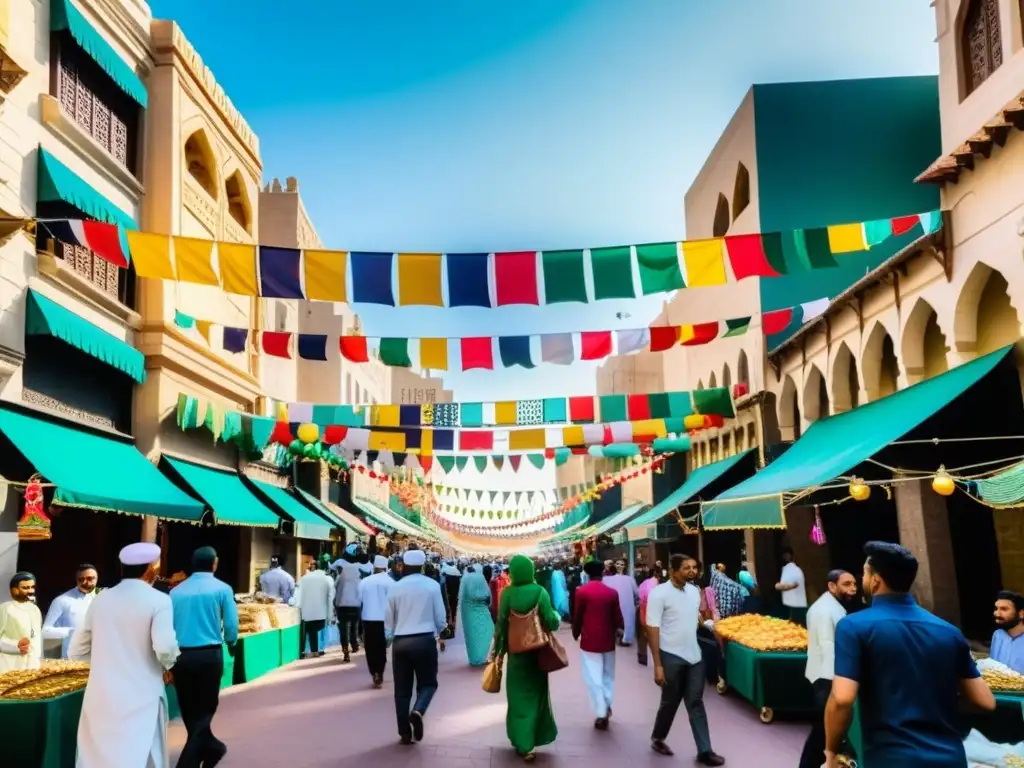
[308, 433]
[817, 530]
[942, 483]
[34, 524]
[859, 490]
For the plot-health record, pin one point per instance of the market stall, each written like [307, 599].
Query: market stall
[268, 638]
[765, 661]
[39, 712]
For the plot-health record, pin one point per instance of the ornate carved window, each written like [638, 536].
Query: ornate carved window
[741, 190]
[92, 100]
[981, 43]
[200, 162]
[238, 203]
[722, 220]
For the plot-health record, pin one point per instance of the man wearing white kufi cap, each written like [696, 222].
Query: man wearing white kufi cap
[373, 599]
[127, 636]
[414, 620]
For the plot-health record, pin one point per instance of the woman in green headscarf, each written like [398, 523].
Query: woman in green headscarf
[529, 722]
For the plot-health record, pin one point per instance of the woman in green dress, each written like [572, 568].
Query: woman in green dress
[529, 722]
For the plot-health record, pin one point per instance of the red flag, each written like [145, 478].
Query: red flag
[515, 460]
[776, 322]
[581, 410]
[638, 407]
[515, 278]
[476, 440]
[747, 257]
[595, 345]
[426, 462]
[664, 337]
[276, 343]
[701, 333]
[903, 224]
[477, 353]
[105, 241]
[282, 434]
[353, 349]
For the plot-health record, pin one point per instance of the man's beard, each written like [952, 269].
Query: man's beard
[1008, 625]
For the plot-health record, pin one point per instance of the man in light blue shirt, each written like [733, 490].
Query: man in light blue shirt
[205, 617]
[277, 582]
[1007, 645]
[67, 610]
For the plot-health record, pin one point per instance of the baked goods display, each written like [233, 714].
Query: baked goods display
[1000, 677]
[253, 617]
[53, 678]
[763, 633]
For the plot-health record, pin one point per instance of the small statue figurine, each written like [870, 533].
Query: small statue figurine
[34, 524]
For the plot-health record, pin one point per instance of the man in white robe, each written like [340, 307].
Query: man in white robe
[21, 626]
[128, 638]
[625, 585]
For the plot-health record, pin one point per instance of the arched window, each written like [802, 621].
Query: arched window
[238, 202]
[722, 221]
[981, 43]
[741, 190]
[200, 163]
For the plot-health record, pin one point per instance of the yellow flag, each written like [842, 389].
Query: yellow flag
[151, 255]
[387, 441]
[705, 262]
[505, 413]
[648, 427]
[847, 238]
[192, 261]
[384, 415]
[572, 436]
[203, 326]
[238, 268]
[419, 279]
[434, 354]
[426, 442]
[325, 275]
[526, 439]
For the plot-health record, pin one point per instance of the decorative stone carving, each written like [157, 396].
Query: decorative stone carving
[199, 204]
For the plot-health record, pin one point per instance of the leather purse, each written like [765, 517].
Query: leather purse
[552, 657]
[491, 682]
[525, 632]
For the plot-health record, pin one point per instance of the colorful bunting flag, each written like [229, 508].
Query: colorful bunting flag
[515, 278]
[612, 270]
[515, 350]
[477, 352]
[468, 283]
[354, 349]
[659, 268]
[595, 344]
[395, 352]
[564, 277]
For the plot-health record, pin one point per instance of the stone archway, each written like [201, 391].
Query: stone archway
[201, 163]
[923, 349]
[985, 317]
[816, 400]
[743, 370]
[880, 364]
[845, 380]
[789, 411]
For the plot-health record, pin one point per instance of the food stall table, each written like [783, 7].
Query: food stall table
[773, 681]
[41, 732]
[291, 642]
[257, 654]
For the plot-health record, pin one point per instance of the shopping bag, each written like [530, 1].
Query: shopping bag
[491, 682]
[552, 657]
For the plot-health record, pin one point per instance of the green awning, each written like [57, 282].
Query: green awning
[95, 471]
[225, 493]
[65, 16]
[618, 520]
[45, 317]
[59, 184]
[388, 518]
[308, 524]
[325, 512]
[697, 481]
[833, 446]
[750, 513]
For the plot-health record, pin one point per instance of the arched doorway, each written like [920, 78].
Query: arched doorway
[789, 411]
[816, 403]
[880, 365]
[743, 370]
[924, 345]
[845, 381]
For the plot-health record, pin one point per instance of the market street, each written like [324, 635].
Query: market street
[320, 714]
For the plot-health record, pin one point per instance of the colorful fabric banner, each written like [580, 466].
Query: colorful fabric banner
[477, 353]
[468, 282]
[395, 352]
[325, 275]
[659, 268]
[564, 277]
[515, 278]
[595, 344]
[354, 349]
[279, 272]
[371, 278]
[515, 350]
[419, 280]
[612, 270]
[705, 265]
[434, 354]
[193, 261]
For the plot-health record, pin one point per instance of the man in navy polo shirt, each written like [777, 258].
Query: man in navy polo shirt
[907, 666]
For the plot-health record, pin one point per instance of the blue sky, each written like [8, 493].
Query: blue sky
[465, 125]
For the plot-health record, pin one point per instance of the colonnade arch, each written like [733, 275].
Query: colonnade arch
[879, 364]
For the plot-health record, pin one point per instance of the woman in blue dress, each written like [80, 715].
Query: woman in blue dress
[475, 610]
[560, 591]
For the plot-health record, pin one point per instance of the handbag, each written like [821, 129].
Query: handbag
[525, 633]
[552, 657]
[491, 682]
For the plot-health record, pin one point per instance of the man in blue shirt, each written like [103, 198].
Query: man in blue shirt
[205, 617]
[907, 666]
[1007, 647]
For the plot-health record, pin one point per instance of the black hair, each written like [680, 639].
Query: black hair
[21, 576]
[85, 567]
[835, 575]
[203, 560]
[275, 561]
[676, 561]
[594, 569]
[896, 565]
[1014, 597]
[411, 569]
[134, 571]
[787, 550]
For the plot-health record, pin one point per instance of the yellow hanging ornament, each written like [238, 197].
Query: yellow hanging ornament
[308, 433]
[942, 483]
[859, 491]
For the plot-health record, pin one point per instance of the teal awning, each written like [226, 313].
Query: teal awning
[65, 16]
[59, 184]
[750, 513]
[388, 518]
[697, 481]
[833, 446]
[308, 524]
[326, 512]
[95, 471]
[616, 521]
[45, 317]
[225, 493]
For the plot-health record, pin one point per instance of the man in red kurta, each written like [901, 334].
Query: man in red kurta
[597, 623]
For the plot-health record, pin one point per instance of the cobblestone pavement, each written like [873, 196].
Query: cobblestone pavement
[321, 713]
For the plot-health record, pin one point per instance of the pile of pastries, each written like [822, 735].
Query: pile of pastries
[763, 633]
[1000, 677]
[256, 617]
[53, 678]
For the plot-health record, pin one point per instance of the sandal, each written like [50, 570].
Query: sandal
[661, 748]
[530, 757]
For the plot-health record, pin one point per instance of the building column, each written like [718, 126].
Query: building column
[924, 530]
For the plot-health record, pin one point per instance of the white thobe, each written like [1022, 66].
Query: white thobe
[19, 620]
[127, 636]
[599, 677]
[315, 596]
[65, 614]
[628, 596]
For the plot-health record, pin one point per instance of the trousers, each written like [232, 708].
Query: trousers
[641, 637]
[599, 677]
[376, 646]
[684, 684]
[348, 627]
[311, 634]
[414, 662]
[197, 675]
[813, 754]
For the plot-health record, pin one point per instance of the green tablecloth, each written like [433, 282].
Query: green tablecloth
[41, 734]
[257, 654]
[770, 681]
[291, 641]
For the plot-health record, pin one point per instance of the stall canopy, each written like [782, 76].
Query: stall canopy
[225, 493]
[56, 183]
[832, 447]
[351, 520]
[616, 521]
[390, 519]
[96, 471]
[45, 317]
[308, 524]
[328, 513]
[697, 481]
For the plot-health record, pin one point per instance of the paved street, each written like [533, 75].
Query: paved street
[323, 714]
